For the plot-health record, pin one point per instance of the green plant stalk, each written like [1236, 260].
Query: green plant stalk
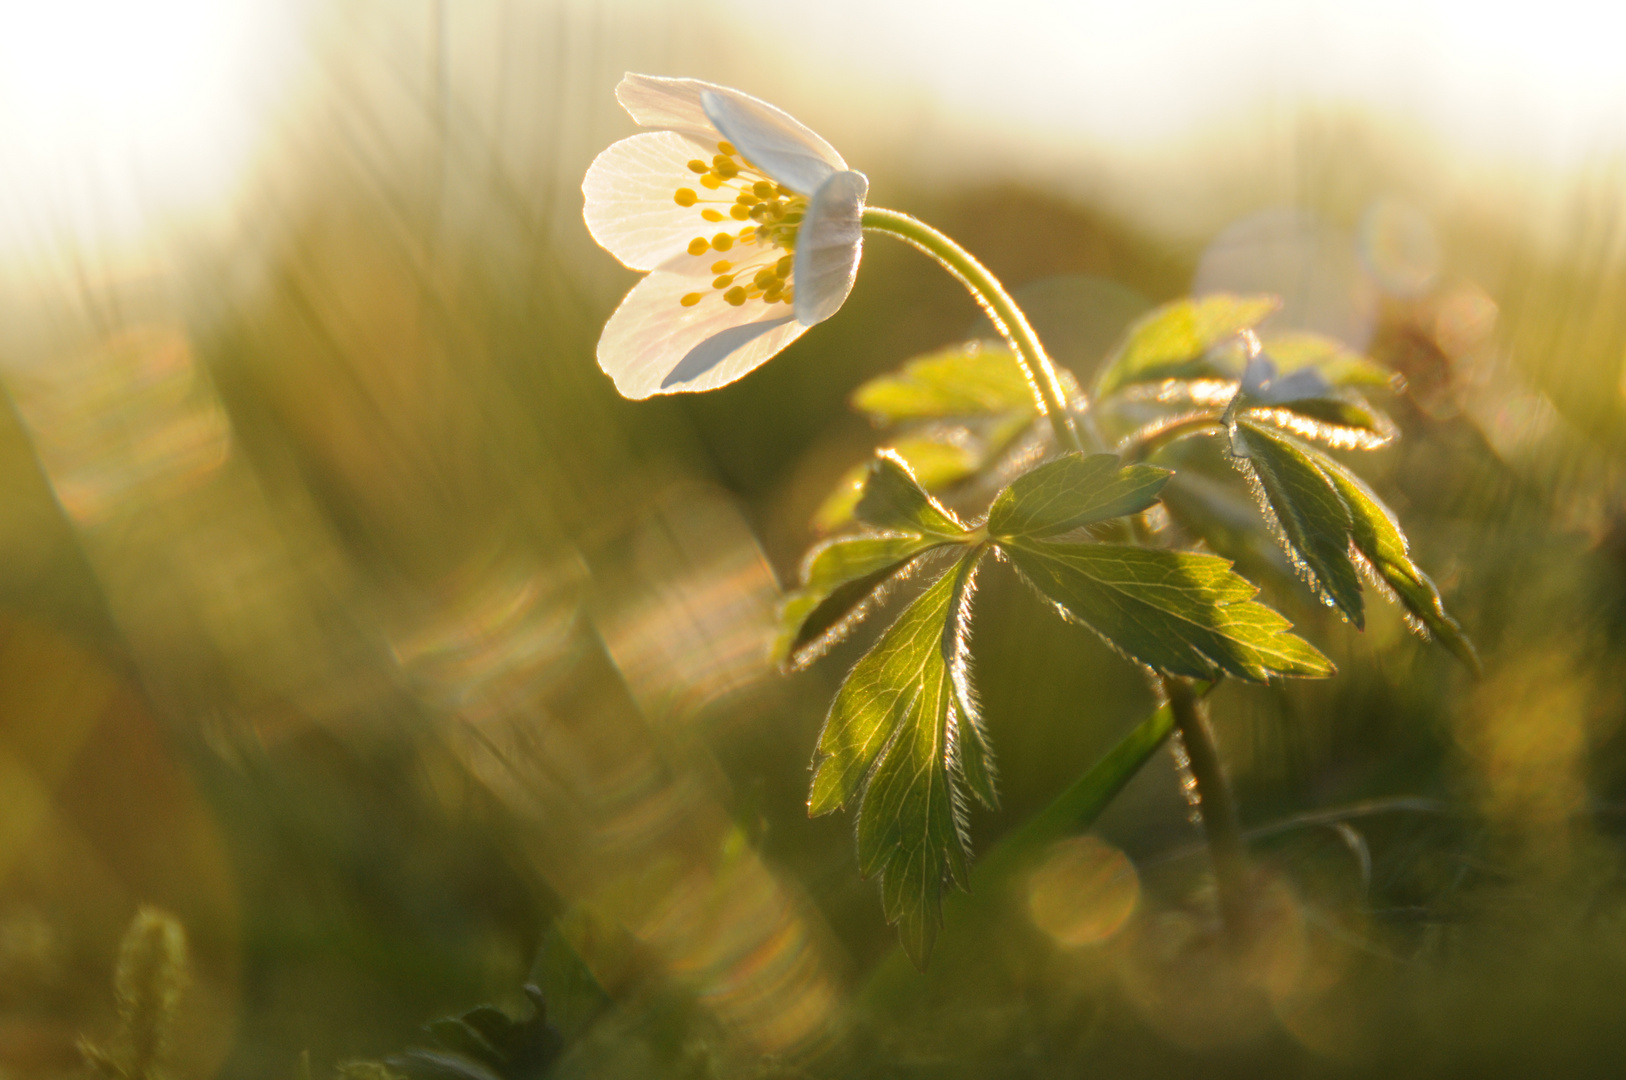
[991, 296]
[1222, 828]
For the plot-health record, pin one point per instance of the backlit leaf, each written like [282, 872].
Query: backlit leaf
[1342, 420]
[1173, 341]
[1378, 537]
[839, 581]
[1180, 612]
[936, 463]
[896, 738]
[1073, 491]
[1338, 364]
[970, 379]
[894, 500]
[1313, 521]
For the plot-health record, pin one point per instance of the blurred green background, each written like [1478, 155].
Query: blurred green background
[347, 614]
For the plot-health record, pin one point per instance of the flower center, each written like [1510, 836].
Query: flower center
[769, 215]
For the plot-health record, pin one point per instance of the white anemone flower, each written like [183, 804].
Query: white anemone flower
[748, 223]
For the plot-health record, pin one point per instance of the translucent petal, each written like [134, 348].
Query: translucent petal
[772, 140]
[828, 246]
[672, 104]
[630, 206]
[655, 345]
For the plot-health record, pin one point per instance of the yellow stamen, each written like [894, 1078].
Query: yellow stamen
[783, 266]
[722, 241]
[748, 234]
[698, 166]
[762, 189]
[712, 181]
[698, 246]
[735, 296]
[690, 299]
[771, 295]
[745, 198]
[721, 266]
[711, 215]
[764, 279]
[727, 148]
[754, 294]
[723, 281]
[738, 212]
[725, 167]
[686, 196]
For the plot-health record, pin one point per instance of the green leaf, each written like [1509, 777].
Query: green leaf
[1375, 533]
[1313, 520]
[839, 581]
[893, 499]
[896, 734]
[1073, 491]
[1339, 364]
[935, 462]
[1344, 420]
[1180, 612]
[970, 379]
[1378, 537]
[1172, 342]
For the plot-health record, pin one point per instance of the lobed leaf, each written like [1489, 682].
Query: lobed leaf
[1338, 364]
[1377, 536]
[839, 581]
[1372, 532]
[970, 379]
[1312, 519]
[893, 499]
[1173, 341]
[934, 462]
[1340, 419]
[898, 736]
[1180, 612]
[1073, 491]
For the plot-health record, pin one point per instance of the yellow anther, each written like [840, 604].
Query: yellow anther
[748, 234]
[725, 167]
[690, 299]
[711, 215]
[762, 189]
[698, 246]
[698, 166]
[764, 279]
[771, 295]
[783, 191]
[722, 241]
[783, 266]
[745, 198]
[754, 294]
[759, 212]
[738, 212]
[721, 266]
[686, 196]
[723, 281]
[712, 181]
[727, 148]
[735, 296]
[776, 210]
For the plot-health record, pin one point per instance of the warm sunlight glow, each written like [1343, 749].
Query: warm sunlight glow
[114, 114]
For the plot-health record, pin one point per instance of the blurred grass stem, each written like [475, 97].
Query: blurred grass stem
[1221, 826]
[1012, 324]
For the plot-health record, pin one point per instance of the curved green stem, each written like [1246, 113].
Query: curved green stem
[997, 304]
[1146, 442]
[1222, 826]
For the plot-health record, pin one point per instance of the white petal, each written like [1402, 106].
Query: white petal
[672, 104]
[630, 205]
[771, 140]
[828, 246]
[655, 345]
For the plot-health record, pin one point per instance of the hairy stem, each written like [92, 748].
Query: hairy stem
[1011, 323]
[1221, 826]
